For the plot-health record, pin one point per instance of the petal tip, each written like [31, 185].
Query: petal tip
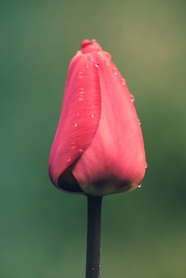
[88, 46]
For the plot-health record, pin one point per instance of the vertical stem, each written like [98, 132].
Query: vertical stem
[93, 236]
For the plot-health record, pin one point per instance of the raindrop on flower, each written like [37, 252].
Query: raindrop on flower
[81, 90]
[91, 57]
[81, 149]
[123, 81]
[80, 74]
[81, 97]
[132, 98]
[140, 185]
[139, 121]
[73, 145]
[75, 124]
[69, 159]
[87, 64]
[146, 165]
[97, 65]
[115, 72]
[92, 115]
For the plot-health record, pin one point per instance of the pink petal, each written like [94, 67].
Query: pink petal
[115, 161]
[79, 119]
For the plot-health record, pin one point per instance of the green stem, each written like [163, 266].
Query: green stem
[93, 236]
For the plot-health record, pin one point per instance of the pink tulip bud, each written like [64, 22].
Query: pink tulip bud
[98, 148]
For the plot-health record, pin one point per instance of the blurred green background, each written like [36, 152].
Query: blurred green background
[42, 229]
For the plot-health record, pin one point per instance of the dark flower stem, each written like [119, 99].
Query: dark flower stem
[93, 236]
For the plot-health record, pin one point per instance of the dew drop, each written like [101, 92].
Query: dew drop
[69, 159]
[139, 121]
[146, 165]
[78, 53]
[75, 124]
[123, 81]
[115, 72]
[81, 97]
[92, 115]
[81, 90]
[91, 57]
[87, 63]
[73, 145]
[78, 114]
[140, 185]
[80, 74]
[132, 98]
[81, 149]
[97, 65]
[93, 105]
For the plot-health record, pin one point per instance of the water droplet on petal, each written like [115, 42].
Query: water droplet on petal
[93, 105]
[140, 185]
[132, 98]
[92, 115]
[123, 81]
[73, 145]
[91, 57]
[146, 165]
[88, 63]
[81, 97]
[81, 90]
[78, 114]
[115, 72]
[75, 124]
[81, 149]
[139, 121]
[97, 65]
[69, 159]
[78, 53]
[80, 74]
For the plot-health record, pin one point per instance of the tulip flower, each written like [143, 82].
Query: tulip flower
[98, 148]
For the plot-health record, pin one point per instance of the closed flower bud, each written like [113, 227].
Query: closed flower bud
[98, 148]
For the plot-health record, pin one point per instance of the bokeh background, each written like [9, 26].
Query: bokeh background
[43, 230]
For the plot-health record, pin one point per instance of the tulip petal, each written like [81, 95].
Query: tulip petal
[115, 160]
[78, 122]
